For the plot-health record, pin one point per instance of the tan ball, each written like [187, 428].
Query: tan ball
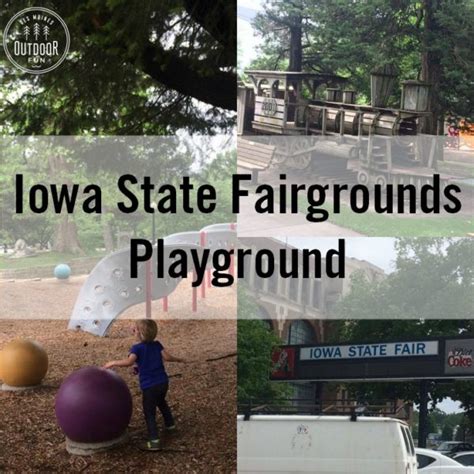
[23, 363]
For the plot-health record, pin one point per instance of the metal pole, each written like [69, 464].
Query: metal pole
[194, 297]
[318, 397]
[148, 269]
[423, 418]
[148, 288]
[202, 243]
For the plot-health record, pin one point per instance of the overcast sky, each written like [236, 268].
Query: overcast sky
[379, 251]
[247, 41]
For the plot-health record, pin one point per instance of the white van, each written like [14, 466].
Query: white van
[324, 445]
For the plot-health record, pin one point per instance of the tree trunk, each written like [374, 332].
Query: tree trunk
[296, 50]
[107, 234]
[431, 71]
[66, 239]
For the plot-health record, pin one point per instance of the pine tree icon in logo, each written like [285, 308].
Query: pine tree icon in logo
[36, 31]
[26, 31]
[46, 31]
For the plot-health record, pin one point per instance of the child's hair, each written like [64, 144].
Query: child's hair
[147, 330]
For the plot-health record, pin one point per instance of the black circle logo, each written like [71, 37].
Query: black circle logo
[36, 40]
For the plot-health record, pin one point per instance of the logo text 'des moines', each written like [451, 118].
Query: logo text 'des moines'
[36, 40]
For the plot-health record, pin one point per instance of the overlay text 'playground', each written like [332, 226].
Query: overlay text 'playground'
[290, 262]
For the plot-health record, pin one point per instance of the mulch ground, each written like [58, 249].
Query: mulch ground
[202, 393]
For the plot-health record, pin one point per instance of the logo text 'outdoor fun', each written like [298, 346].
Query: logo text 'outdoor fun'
[36, 40]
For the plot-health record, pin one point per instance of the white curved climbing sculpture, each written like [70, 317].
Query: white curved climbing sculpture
[109, 290]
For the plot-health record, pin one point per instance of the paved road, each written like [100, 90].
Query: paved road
[462, 156]
[252, 224]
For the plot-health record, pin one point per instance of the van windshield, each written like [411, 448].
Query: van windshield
[408, 440]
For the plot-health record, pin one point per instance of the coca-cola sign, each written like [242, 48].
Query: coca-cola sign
[459, 355]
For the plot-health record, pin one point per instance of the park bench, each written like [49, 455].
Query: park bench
[254, 156]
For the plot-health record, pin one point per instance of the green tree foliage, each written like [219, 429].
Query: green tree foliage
[255, 344]
[447, 433]
[433, 278]
[352, 38]
[440, 422]
[134, 68]
[464, 430]
[164, 160]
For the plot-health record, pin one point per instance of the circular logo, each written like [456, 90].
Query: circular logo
[269, 106]
[36, 40]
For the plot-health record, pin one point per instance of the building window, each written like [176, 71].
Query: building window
[303, 396]
[273, 284]
[316, 294]
[301, 332]
[306, 296]
[294, 283]
[259, 283]
[247, 273]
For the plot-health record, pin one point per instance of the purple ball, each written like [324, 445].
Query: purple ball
[93, 405]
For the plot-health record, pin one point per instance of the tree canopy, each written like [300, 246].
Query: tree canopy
[428, 40]
[255, 345]
[433, 279]
[101, 161]
[133, 68]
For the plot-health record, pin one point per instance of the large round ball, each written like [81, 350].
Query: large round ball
[62, 271]
[93, 405]
[23, 363]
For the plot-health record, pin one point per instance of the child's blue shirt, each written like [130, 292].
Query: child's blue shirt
[150, 364]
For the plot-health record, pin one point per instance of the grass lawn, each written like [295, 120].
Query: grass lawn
[457, 168]
[382, 225]
[41, 259]
[378, 225]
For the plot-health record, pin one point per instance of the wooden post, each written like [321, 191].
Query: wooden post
[323, 122]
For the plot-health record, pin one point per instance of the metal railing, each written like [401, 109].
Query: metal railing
[301, 406]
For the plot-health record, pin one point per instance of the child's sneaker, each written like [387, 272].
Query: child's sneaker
[152, 445]
[170, 428]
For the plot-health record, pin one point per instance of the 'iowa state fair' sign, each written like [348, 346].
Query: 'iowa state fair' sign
[366, 351]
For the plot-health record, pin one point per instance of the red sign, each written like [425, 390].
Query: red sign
[283, 363]
[459, 359]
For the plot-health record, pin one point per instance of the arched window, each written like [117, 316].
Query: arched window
[301, 332]
[263, 88]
